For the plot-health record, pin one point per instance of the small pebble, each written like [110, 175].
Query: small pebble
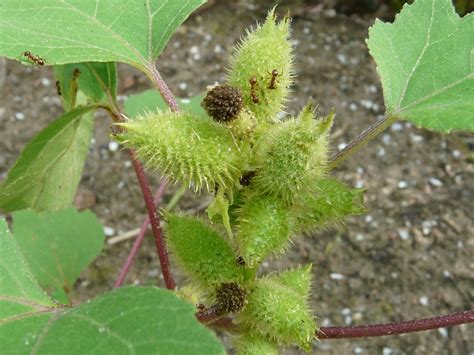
[20, 116]
[443, 332]
[387, 351]
[346, 311]
[386, 138]
[336, 276]
[341, 146]
[402, 184]
[368, 218]
[113, 146]
[359, 237]
[218, 48]
[341, 58]
[447, 274]
[403, 233]
[352, 106]
[182, 86]
[109, 231]
[358, 350]
[456, 153]
[127, 164]
[423, 301]
[265, 264]
[372, 89]
[359, 184]
[306, 30]
[194, 50]
[366, 104]
[381, 152]
[396, 127]
[45, 81]
[435, 182]
[415, 138]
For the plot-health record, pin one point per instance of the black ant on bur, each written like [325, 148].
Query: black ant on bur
[253, 85]
[34, 58]
[273, 80]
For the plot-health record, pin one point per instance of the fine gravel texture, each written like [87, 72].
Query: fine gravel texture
[409, 257]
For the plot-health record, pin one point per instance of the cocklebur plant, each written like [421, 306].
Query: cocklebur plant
[284, 162]
[270, 176]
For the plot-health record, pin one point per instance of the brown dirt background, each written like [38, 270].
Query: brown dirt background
[411, 256]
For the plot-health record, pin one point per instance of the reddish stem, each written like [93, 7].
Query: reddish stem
[411, 326]
[139, 239]
[165, 92]
[154, 220]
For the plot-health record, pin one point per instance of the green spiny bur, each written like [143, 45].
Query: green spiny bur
[263, 228]
[201, 252]
[263, 50]
[299, 279]
[276, 311]
[291, 156]
[329, 202]
[191, 149]
[254, 344]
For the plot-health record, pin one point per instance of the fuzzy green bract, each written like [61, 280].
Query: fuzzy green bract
[254, 344]
[191, 149]
[263, 50]
[425, 60]
[201, 252]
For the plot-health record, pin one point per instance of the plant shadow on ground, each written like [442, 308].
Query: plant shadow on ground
[409, 257]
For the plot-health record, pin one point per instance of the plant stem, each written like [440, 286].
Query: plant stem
[361, 140]
[139, 239]
[150, 206]
[165, 92]
[411, 326]
[154, 221]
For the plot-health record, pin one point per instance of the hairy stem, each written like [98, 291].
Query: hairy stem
[361, 140]
[139, 239]
[154, 221]
[159, 84]
[364, 331]
[411, 326]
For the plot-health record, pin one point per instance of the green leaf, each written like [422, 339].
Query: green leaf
[151, 101]
[201, 252]
[58, 245]
[426, 63]
[329, 203]
[98, 81]
[20, 294]
[46, 174]
[73, 31]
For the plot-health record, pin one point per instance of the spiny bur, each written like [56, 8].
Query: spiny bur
[291, 156]
[201, 252]
[192, 149]
[263, 228]
[278, 312]
[264, 50]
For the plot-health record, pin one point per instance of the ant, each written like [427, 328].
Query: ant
[273, 80]
[253, 85]
[34, 58]
[201, 307]
[240, 261]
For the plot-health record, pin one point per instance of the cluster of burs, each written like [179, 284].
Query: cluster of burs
[270, 182]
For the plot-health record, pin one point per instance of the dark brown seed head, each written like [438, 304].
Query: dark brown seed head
[230, 297]
[223, 103]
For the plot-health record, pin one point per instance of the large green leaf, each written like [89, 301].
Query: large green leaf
[98, 82]
[130, 320]
[46, 175]
[426, 63]
[73, 31]
[58, 245]
[150, 101]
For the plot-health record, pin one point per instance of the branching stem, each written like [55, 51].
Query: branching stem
[411, 326]
[361, 140]
[159, 84]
